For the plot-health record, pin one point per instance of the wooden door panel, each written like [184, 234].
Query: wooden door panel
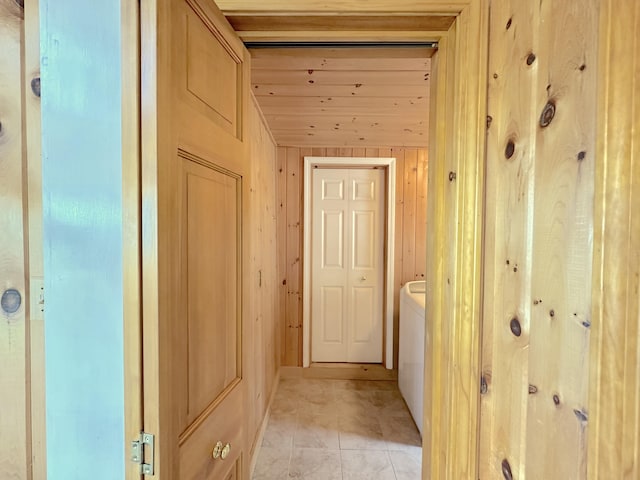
[197, 443]
[195, 162]
[207, 56]
[211, 269]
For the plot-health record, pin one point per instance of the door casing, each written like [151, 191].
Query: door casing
[454, 225]
[390, 218]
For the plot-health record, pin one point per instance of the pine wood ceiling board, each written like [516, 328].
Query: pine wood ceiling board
[351, 123]
[313, 90]
[337, 109]
[353, 102]
[354, 77]
[348, 140]
[392, 58]
[325, 22]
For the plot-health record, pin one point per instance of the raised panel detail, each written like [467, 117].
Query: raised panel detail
[211, 219]
[332, 239]
[364, 239]
[363, 323]
[331, 313]
[213, 74]
[332, 189]
[364, 190]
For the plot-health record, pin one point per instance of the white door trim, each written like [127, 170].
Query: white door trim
[390, 210]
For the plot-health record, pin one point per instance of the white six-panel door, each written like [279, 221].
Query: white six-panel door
[347, 250]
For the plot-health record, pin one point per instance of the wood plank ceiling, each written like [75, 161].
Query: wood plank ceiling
[344, 96]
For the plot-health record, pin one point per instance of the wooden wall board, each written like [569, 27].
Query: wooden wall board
[263, 279]
[614, 363]
[509, 208]
[540, 184]
[15, 435]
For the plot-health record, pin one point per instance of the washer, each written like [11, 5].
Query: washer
[411, 348]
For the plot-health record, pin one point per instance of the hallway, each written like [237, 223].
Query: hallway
[322, 429]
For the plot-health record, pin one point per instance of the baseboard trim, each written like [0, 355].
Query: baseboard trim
[255, 450]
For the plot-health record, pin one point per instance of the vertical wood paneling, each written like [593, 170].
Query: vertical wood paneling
[539, 228]
[14, 333]
[509, 210]
[614, 383]
[562, 242]
[421, 216]
[409, 214]
[281, 255]
[290, 242]
[262, 309]
[293, 254]
[398, 270]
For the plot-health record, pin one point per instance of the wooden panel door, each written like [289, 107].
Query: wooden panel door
[347, 265]
[194, 168]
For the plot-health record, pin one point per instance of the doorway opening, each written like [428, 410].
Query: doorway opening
[386, 291]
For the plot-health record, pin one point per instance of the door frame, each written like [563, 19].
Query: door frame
[454, 221]
[389, 165]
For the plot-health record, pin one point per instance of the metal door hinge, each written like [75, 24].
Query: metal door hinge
[139, 453]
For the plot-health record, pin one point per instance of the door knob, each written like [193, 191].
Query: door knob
[225, 451]
[217, 450]
[363, 278]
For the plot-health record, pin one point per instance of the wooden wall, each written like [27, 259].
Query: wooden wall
[539, 239]
[410, 232]
[22, 421]
[264, 338]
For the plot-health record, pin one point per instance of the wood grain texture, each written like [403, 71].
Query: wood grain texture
[331, 97]
[131, 227]
[32, 133]
[454, 256]
[614, 379]
[256, 23]
[264, 296]
[509, 211]
[15, 442]
[342, 7]
[290, 245]
[540, 184]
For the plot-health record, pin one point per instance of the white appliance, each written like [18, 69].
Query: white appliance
[411, 348]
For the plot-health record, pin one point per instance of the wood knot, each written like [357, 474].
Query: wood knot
[556, 399]
[310, 71]
[533, 389]
[515, 327]
[452, 176]
[581, 155]
[531, 58]
[35, 86]
[508, 26]
[548, 112]
[489, 120]
[552, 313]
[510, 149]
[484, 388]
[581, 415]
[506, 470]
[11, 301]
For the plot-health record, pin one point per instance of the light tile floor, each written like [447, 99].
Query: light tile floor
[339, 430]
